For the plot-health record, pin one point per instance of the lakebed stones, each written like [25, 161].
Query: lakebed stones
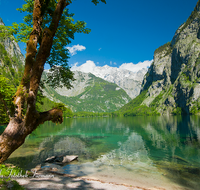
[61, 160]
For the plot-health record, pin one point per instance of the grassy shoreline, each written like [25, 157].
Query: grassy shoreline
[7, 174]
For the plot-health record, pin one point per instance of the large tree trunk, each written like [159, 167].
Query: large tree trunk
[11, 139]
[15, 133]
[22, 125]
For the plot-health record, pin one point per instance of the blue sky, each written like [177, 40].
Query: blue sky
[125, 31]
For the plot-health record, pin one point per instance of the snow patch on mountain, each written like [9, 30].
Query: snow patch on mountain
[128, 76]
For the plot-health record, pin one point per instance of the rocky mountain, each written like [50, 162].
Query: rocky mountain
[11, 58]
[128, 80]
[172, 83]
[11, 46]
[89, 93]
[11, 65]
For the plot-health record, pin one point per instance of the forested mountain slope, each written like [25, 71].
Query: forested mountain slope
[89, 93]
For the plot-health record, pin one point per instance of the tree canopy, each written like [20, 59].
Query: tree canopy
[7, 91]
[66, 29]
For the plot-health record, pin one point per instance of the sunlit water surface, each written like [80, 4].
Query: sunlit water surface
[140, 151]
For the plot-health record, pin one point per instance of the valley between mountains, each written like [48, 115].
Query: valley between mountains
[171, 85]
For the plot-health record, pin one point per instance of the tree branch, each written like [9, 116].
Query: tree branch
[43, 54]
[55, 115]
[30, 57]
[57, 15]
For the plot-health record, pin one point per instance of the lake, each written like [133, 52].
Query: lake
[160, 151]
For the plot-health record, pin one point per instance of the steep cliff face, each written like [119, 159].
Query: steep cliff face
[11, 59]
[11, 47]
[11, 66]
[172, 83]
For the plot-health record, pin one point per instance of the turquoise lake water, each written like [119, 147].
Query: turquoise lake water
[145, 151]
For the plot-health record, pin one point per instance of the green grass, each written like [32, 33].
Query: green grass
[156, 102]
[134, 108]
[141, 111]
[177, 111]
[166, 47]
[45, 104]
[6, 172]
[91, 114]
[6, 184]
[135, 102]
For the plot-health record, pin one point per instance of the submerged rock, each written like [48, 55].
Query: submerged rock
[61, 159]
[67, 159]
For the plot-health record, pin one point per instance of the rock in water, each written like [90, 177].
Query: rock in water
[61, 159]
[50, 159]
[67, 159]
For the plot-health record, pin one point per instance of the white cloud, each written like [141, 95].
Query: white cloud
[74, 67]
[136, 67]
[87, 67]
[91, 67]
[73, 50]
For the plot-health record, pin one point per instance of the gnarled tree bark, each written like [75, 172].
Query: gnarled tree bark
[20, 126]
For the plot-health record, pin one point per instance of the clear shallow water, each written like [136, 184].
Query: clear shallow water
[144, 151]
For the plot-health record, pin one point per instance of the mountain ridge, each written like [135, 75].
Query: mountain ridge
[90, 93]
[126, 79]
[172, 83]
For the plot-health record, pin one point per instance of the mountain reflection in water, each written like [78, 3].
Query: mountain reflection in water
[165, 146]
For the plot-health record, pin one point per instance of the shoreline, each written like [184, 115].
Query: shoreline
[72, 182]
[53, 177]
[53, 180]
